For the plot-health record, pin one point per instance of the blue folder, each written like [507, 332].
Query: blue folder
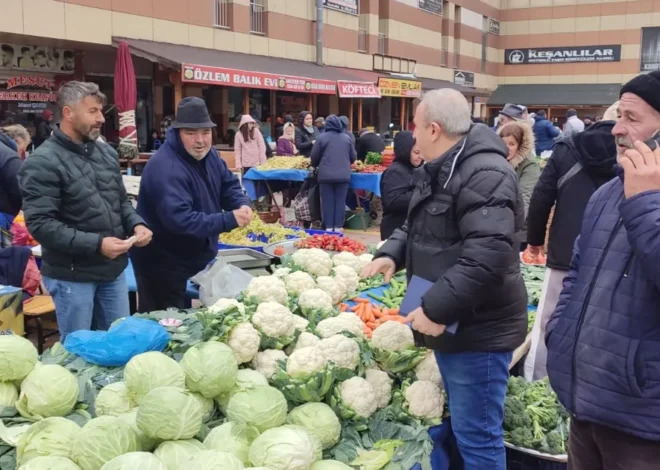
[417, 287]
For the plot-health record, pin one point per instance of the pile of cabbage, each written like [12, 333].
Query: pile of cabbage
[277, 379]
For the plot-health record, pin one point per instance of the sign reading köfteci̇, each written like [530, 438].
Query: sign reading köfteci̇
[31, 81]
[562, 55]
[650, 53]
[347, 6]
[464, 78]
[432, 6]
[357, 89]
[245, 79]
[399, 88]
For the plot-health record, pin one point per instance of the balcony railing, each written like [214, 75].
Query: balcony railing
[257, 9]
[362, 40]
[382, 41]
[221, 19]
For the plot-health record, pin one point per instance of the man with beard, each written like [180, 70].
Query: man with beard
[603, 355]
[76, 206]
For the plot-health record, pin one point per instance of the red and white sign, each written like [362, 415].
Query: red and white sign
[27, 96]
[358, 90]
[267, 81]
[32, 81]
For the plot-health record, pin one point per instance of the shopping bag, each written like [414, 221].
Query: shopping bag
[220, 280]
[314, 201]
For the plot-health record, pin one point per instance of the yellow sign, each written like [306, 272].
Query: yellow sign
[400, 88]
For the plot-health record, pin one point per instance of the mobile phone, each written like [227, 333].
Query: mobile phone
[654, 142]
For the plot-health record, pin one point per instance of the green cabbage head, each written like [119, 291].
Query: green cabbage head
[135, 461]
[113, 400]
[206, 404]
[330, 465]
[210, 368]
[245, 378]
[50, 463]
[101, 440]
[319, 420]
[261, 407]
[150, 370]
[170, 414]
[213, 460]
[147, 444]
[284, 448]
[49, 390]
[17, 357]
[176, 453]
[50, 437]
[234, 438]
[8, 395]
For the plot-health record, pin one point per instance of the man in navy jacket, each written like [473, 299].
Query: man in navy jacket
[604, 336]
[188, 197]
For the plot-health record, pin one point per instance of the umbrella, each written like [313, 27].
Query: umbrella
[125, 100]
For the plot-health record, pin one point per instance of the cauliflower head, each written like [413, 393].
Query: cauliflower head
[358, 395]
[428, 370]
[348, 275]
[299, 282]
[313, 260]
[305, 361]
[225, 304]
[342, 351]
[424, 400]
[300, 323]
[282, 272]
[382, 384]
[244, 340]
[345, 321]
[306, 339]
[274, 320]
[346, 258]
[267, 362]
[392, 336]
[364, 260]
[268, 289]
[336, 288]
[315, 299]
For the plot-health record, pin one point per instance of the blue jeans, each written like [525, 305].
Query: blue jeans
[476, 387]
[88, 305]
[333, 204]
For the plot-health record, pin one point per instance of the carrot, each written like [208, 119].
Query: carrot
[394, 311]
[373, 312]
[383, 313]
[360, 300]
[343, 307]
[371, 325]
[361, 311]
[366, 329]
[355, 308]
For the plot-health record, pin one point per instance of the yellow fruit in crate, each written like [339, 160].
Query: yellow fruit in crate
[286, 163]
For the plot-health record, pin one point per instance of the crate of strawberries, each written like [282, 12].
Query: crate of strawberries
[332, 243]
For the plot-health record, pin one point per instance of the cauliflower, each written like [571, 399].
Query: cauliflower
[225, 304]
[268, 289]
[382, 384]
[315, 299]
[349, 276]
[364, 260]
[282, 272]
[267, 361]
[306, 339]
[305, 361]
[276, 323]
[313, 260]
[244, 340]
[306, 378]
[299, 282]
[354, 400]
[428, 370]
[423, 400]
[342, 351]
[334, 287]
[346, 258]
[300, 323]
[345, 321]
[392, 336]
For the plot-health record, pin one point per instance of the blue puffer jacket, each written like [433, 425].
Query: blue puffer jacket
[604, 336]
[544, 134]
[333, 153]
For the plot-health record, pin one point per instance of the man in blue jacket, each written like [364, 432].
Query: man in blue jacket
[544, 132]
[188, 197]
[604, 336]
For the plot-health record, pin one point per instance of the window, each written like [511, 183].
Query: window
[221, 13]
[362, 33]
[484, 44]
[257, 9]
[457, 37]
[382, 39]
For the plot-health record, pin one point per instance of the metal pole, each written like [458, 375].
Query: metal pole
[319, 32]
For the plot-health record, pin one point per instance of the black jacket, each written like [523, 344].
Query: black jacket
[333, 153]
[73, 197]
[595, 149]
[304, 138]
[10, 163]
[369, 142]
[396, 185]
[461, 234]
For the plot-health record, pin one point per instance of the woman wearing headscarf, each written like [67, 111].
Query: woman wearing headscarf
[249, 144]
[396, 186]
[286, 144]
[306, 134]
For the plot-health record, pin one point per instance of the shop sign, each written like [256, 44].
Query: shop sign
[27, 96]
[31, 81]
[397, 87]
[650, 56]
[358, 90]
[266, 81]
[346, 6]
[493, 26]
[36, 58]
[562, 55]
[432, 6]
[464, 78]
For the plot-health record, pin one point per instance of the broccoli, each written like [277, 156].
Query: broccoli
[545, 413]
[515, 415]
[556, 444]
[516, 386]
[521, 437]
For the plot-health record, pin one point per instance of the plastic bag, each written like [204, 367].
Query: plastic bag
[126, 338]
[220, 280]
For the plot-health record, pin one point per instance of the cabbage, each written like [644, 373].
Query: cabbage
[49, 437]
[210, 368]
[18, 357]
[151, 370]
[319, 420]
[135, 461]
[284, 448]
[8, 395]
[234, 438]
[113, 400]
[49, 390]
[213, 460]
[101, 440]
[261, 407]
[330, 465]
[50, 463]
[176, 453]
[170, 414]
[245, 378]
[147, 444]
[207, 406]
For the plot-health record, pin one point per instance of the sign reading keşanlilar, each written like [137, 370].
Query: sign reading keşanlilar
[562, 55]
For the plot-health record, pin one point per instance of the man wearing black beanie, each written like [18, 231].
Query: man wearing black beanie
[603, 338]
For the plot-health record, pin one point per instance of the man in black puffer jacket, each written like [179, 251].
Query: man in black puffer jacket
[76, 206]
[461, 236]
[579, 165]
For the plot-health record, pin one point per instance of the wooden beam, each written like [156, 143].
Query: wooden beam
[350, 115]
[273, 115]
[246, 101]
[404, 125]
[359, 123]
[310, 103]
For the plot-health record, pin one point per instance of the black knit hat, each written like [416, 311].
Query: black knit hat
[192, 113]
[647, 87]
